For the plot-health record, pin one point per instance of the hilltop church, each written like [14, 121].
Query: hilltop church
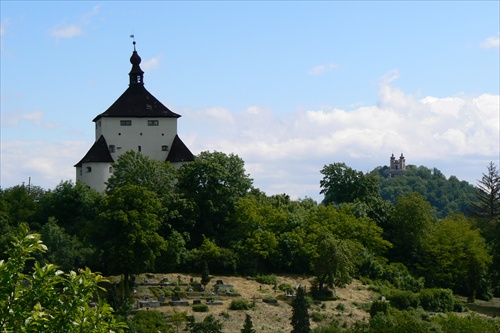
[135, 121]
[397, 166]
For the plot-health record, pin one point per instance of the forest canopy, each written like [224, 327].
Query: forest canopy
[413, 230]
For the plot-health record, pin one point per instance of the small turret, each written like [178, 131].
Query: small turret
[136, 74]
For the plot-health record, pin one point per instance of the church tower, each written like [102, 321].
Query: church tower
[135, 121]
[397, 166]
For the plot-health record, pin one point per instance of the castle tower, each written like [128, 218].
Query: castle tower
[135, 121]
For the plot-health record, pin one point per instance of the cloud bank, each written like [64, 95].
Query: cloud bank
[285, 154]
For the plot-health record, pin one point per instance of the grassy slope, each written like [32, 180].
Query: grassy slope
[267, 317]
[355, 299]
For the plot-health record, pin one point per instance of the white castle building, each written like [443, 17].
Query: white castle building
[136, 121]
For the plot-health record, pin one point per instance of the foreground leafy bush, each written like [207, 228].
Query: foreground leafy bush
[47, 299]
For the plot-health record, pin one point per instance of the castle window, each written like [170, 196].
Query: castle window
[111, 148]
[125, 122]
[81, 171]
[110, 169]
[153, 122]
[88, 169]
[138, 148]
[164, 148]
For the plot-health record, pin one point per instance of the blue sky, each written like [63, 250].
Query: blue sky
[287, 86]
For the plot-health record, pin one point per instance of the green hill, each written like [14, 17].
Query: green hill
[447, 196]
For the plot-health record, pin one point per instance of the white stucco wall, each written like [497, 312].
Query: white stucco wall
[149, 138]
[96, 176]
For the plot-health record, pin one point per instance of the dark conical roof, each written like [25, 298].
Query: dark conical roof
[136, 101]
[179, 152]
[99, 152]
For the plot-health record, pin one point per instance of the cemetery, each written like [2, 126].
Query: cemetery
[174, 293]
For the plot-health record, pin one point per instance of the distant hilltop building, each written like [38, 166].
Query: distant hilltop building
[397, 166]
[135, 121]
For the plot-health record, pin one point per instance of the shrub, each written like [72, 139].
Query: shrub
[333, 327]
[285, 287]
[437, 300]
[318, 317]
[149, 321]
[239, 304]
[403, 300]
[473, 323]
[379, 306]
[340, 307]
[224, 314]
[200, 308]
[267, 279]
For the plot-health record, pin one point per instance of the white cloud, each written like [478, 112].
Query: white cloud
[66, 31]
[151, 63]
[492, 42]
[70, 30]
[284, 154]
[322, 69]
[46, 163]
[36, 118]
[288, 152]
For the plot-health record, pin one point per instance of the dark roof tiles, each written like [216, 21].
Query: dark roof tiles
[136, 101]
[179, 152]
[99, 152]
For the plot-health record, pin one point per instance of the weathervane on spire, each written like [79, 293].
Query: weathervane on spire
[133, 37]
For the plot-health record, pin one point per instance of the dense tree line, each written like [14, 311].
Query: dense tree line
[413, 230]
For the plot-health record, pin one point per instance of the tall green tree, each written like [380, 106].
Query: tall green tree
[334, 263]
[66, 251]
[47, 299]
[214, 183]
[455, 256]
[248, 326]
[488, 194]
[21, 203]
[134, 168]
[160, 177]
[205, 276]
[73, 205]
[409, 223]
[126, 233]
[342, 184]
[300, 313]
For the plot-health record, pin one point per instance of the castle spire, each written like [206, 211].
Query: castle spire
[136, 74]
